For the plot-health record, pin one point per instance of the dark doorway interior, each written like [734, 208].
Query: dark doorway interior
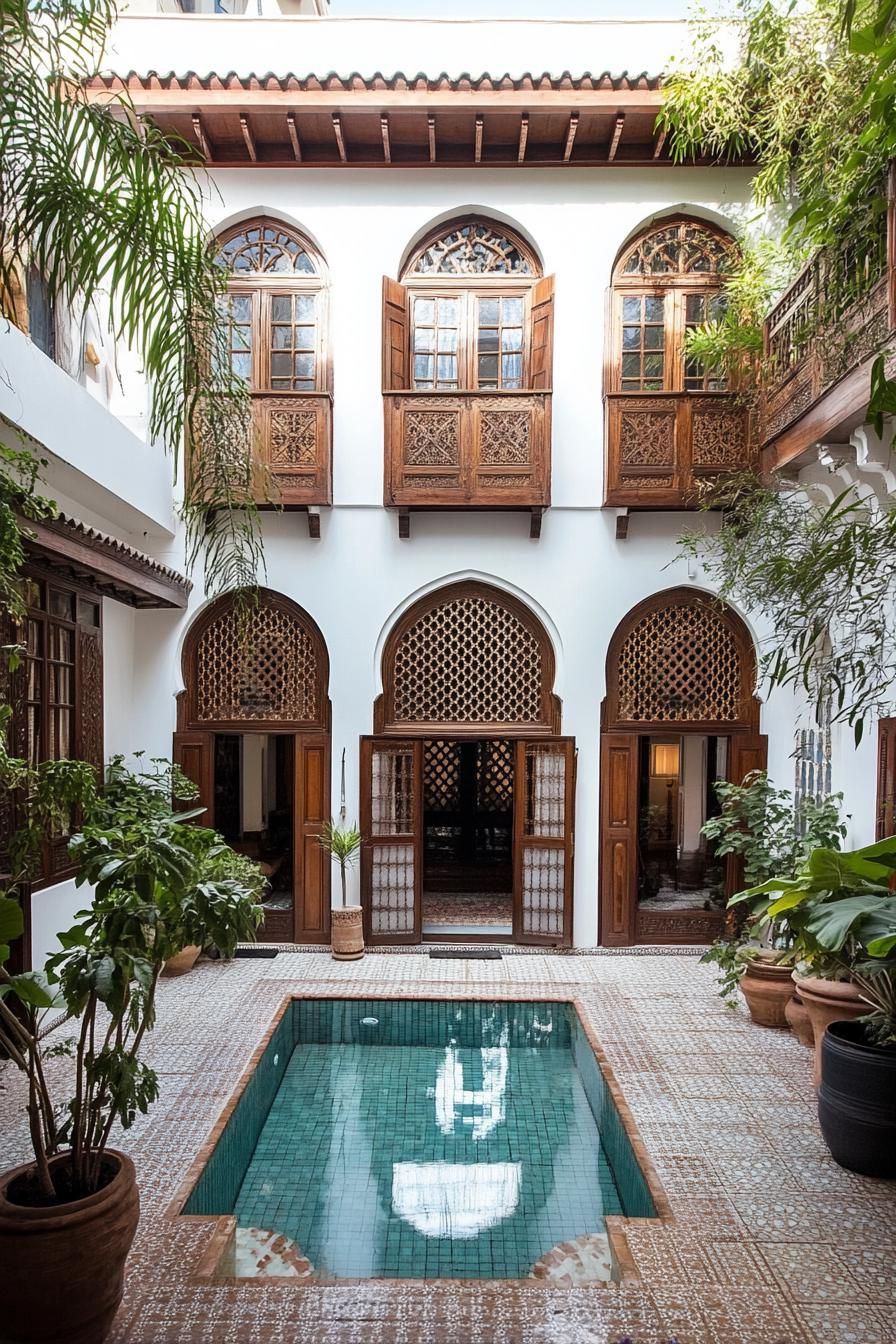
[254, 811]
[468, 837]
[677, 867]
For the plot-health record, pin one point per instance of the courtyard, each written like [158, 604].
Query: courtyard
[769, 1240]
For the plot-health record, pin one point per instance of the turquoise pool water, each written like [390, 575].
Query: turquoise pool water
[413, 1139]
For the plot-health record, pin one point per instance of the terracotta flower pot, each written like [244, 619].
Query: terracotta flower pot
[64, 1264]
[766, 988]
[347, 933]
[183, 962]
[798, 1020]
[828, 1001]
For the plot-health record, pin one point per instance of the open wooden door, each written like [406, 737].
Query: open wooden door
[618, 838]
[311, 865]
[543, 815]
[748, 752]
[194, 752]
[392, 827]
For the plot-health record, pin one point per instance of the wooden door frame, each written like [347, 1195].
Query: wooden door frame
[521, 841]
[203, 744]
[370, 743]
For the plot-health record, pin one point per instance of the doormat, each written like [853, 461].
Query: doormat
[465, 953]
[256, 952]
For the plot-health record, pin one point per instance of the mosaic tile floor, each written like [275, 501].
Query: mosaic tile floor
[771, 1242]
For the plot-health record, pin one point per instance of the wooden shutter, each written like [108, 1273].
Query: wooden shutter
[194, 752]
[618, 838]
[392, 827]
[542, 327]
[885, 821]
[311, 865]
[748, 752]
[395, 336]
[543, 814]
[89, 706]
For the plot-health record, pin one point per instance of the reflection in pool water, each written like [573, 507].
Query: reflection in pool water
[454, 1199]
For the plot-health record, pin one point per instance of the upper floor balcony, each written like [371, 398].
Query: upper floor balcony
[821, 339]
[672, 426]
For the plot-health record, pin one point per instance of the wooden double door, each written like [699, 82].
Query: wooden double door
[309, 921]
[622, 921]
[392, 823]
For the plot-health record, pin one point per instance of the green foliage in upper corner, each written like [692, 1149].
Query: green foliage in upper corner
[807, 93]
[99, 202]
[762, 826]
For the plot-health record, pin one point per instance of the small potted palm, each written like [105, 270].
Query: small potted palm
[343, 844]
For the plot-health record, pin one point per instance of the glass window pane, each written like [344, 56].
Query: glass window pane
[512, 315]
[694, 307]
[448, 312]
[305, 307]
[653, 366]
[631, 310]
[281, 308]
[242, 338]
[631, 338]
[303, 385]
[653, 310]
[424, 338]
[512, 338]
[631, 366]
[424, 311]
[242, 366]
[62, 604]
[304, 338]
[241, 308]
[281, 338]
[447, 368]
[653, 338]
[488, 340]
[304, 366]
[447, 339]
[511, 369]
[488, 312]
[488, 367]
[280, 366]
[281, 384]
[423, 366]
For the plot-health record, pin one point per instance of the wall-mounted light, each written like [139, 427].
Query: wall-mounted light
[664, 759]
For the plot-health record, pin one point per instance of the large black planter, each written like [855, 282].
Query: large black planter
[857, 1101]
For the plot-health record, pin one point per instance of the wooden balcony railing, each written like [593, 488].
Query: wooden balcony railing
[286, 458]
[662, 448]
[468, 449]
[820, 339]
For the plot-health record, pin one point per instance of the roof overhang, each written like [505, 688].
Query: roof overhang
[333, 121]
[107, 566]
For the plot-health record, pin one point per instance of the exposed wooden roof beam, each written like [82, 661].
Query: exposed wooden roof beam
[570, 136]
[294, 136]
[431, 101]
[387, 146]
[478, 147]
[202, 138]
[340, 138]
[431, 121]
[524, 136]
[617, 136]
[660, 142]
[248, 137]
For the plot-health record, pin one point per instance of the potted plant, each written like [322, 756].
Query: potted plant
[760, 826]
[343, 844]
[68, 1216]
[846, 910]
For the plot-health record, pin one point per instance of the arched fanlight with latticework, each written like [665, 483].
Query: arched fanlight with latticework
[667, 281]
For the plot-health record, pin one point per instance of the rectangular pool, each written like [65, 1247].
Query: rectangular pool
[414, 1138]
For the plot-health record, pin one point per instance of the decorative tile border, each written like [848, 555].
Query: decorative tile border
[208, 1269]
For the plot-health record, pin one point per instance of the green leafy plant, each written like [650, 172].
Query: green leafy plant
[841, 910]
[152, 895]
[343, 844]
[760, 825]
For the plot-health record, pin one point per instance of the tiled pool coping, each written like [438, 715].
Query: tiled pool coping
[207, 1269]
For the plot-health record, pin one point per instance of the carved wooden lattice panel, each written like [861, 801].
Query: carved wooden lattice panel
[680, 664]
[468, 660]
[441, 776]
[293, 435]
[472, 249]
[504, 437]
[261, 665]
[647, 434]
[431, 438]
[495, 775]
[719, 437]
[683, 248]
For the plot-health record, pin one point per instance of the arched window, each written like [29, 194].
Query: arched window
[274, 316]
[665, 282]
[473, 291]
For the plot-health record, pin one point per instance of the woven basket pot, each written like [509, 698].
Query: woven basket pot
[347, 933]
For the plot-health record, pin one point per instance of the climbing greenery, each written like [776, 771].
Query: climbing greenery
[808, 96]
[99, 202]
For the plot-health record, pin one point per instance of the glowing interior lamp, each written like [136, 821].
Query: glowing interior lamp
[664, 759]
